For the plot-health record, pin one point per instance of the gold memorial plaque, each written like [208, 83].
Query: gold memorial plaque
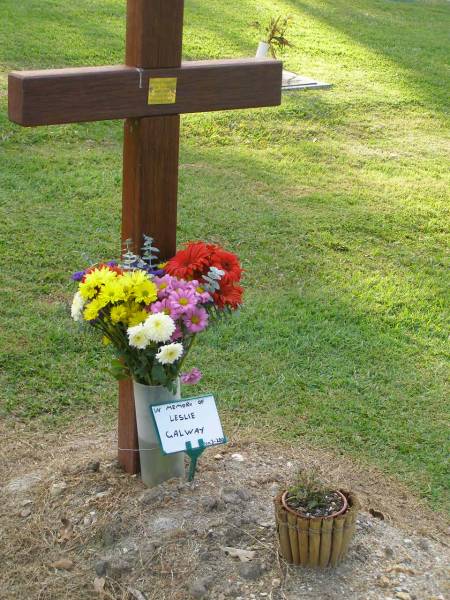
[162, 90]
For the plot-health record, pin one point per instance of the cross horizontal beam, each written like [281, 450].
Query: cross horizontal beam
[97, 93]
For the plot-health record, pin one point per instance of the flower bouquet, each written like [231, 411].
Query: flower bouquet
[151, 313]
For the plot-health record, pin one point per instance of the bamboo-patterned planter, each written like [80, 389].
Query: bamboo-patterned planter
[317, 541]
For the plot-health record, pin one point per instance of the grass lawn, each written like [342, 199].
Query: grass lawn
[336, 201]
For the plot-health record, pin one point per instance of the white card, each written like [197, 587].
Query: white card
[188, 420]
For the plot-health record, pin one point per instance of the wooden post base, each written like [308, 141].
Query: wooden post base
[128, 455]
[150, 188]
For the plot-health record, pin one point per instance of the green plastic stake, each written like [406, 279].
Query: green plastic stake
[194, 454]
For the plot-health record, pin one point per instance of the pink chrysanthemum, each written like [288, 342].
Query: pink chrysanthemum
[164, 285]
[201, 294]
[192, 377]
[196, 320]
[182, 300]
[177, 334]
[165, 306]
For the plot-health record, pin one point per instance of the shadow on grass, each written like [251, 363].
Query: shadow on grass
[399, 32]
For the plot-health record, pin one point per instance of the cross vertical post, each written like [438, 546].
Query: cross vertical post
[150, 167]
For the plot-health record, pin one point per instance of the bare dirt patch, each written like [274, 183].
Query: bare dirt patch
[75, 526]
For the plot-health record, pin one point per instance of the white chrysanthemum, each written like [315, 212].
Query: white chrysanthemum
[77, 307]
[138, 337]
[159, 327]
[167, 355]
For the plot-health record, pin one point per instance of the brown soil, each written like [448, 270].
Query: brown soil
[330, 504]
[63, 498]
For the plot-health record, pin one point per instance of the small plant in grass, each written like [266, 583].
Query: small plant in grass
[310, 497]
[274, 34]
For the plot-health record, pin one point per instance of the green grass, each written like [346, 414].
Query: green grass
[336, 201]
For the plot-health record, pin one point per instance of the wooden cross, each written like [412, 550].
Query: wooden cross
[150, 92]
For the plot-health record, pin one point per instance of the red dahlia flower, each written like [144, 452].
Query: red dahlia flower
[228, 262]
[191, 262]
[230, 294]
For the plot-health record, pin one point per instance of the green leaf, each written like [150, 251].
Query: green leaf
[118, 370]
[159, 374]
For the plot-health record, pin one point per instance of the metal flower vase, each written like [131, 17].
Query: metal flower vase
[263, 50]
[156, 466]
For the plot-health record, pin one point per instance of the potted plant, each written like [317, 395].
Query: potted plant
[150, 314]
[273, 36]
[315, 523]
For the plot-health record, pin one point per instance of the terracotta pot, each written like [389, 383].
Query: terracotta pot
[315, 541]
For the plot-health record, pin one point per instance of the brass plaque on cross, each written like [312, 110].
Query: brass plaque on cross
[162, 90]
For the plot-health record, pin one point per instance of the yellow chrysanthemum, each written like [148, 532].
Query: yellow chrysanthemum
[137, 317]
[133, 307]
[102, 300]
[92, 310]
[93, 278]
[98, 277]
[146, 292]
[87, 290]
[105, 276]
[127, 285]
[118, 314]
[138, 277]
[112, 292]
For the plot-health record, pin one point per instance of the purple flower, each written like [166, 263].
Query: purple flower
[182, 300]
[177, 334]
[165, 307]
[180, 285]
[201, 294]
[157, 272]
[196, 320]
[112, 263]
[164, 285]
[78, 276]
[192, 377]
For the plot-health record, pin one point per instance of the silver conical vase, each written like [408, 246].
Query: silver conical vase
[156, 467]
